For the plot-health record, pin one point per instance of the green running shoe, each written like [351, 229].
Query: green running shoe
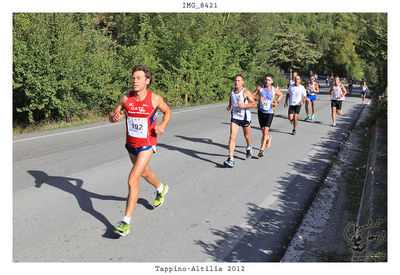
[122, 229]
[159, 200]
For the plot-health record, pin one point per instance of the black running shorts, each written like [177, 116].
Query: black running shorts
[241, 123]
[265, 120]
[294, 109]
[336, 104]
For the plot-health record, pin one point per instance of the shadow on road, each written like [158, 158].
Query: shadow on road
[83, 197]
[268, 230]
[202, 155]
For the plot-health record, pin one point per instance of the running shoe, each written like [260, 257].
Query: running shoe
[159, 200]
[261, 153]
[268, 141]
[334, 124]
[122, 229]
[307, 118]
[249, 153]
[294, 132]
[312, 117]
[229, 163]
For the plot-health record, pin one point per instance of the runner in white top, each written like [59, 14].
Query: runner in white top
[337, 92]
[363, 89]
[297, 96]
[240, 102]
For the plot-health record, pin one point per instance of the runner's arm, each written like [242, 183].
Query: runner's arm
[118, 114]
[247, 94]
[230, 103]
[286, 100]
[304, 97]
[317, 88]
[280, 95]
[256, 93]
[344, 90]
[160, 103]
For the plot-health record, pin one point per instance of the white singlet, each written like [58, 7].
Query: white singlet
[337, 90]
[239, 113]
[310, 90]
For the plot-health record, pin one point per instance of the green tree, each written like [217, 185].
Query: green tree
[291, 50]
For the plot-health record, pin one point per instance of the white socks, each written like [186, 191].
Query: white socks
[161, 188]
[127, 219]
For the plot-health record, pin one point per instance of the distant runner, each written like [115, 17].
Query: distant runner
[268, 97]
[296, 96]
[240, 102]
[312, 91]
[363, 89]
[292, 81]
[337, 92]
[350, 86]
[141, 107]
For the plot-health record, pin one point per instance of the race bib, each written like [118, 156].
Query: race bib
[237, 110]
[137, 127]
[266, 104]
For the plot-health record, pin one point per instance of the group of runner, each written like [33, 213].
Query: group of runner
[140, 107]
[268, 97]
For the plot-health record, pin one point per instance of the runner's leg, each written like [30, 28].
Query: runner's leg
[247, 136]
[290, 117]
[307, 101]
[265, 131]
[313, 107]
[139, 164]
[296, 116]
[333, 114]
[232, 138]
[150, 176]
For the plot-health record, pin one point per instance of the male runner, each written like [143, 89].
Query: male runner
[292, 81]
[312, 90]
[141, 107]
[363, 89]
[350, 86]
[268, 97]
[331, 81]
[297, 96]
[240, 102]
[337, 92]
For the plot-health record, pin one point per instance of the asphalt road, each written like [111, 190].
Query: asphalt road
[70, 185]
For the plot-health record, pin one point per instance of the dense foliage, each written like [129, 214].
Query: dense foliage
[69, 65]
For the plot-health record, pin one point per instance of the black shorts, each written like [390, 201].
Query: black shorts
[294, 109]
[241, 123]
[265, 120]
[336, 104]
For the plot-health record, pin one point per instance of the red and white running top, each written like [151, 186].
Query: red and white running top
[141, 119]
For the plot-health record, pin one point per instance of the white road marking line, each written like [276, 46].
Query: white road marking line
[111, 124]
[68, 132]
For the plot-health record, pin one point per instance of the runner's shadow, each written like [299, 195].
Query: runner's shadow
[83, 197]
[193, 153]
[209, 141]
